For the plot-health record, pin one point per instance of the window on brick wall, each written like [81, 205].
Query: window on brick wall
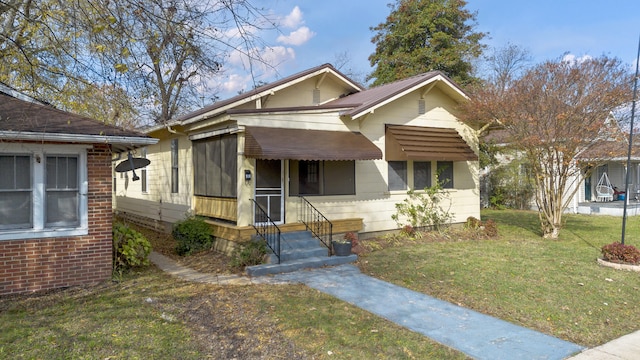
[43, 191]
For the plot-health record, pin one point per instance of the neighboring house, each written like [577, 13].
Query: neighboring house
[607, 155]
[352, 153]
[55, 195]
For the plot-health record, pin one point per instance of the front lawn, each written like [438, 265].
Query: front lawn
[554, 286]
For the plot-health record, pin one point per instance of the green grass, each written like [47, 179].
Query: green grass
[333, 329]
[112, 321]
[554, 286]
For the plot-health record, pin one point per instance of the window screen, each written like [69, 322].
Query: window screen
[445, 174]
[397, 175]
[421, 175]
[15, 191]
[62, 191]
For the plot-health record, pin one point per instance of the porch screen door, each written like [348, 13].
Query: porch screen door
[269, 189]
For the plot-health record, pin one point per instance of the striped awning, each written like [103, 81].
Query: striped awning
[426, 144]
[301, 144]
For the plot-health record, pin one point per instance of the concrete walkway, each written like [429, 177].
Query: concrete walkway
[475, 334]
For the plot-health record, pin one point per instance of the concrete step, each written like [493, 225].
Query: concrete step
[297, 254]
[299, 264]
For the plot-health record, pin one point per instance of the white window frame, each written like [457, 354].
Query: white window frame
[38, 153]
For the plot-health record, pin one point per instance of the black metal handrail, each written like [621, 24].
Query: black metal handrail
[318, 224]
[267, 229]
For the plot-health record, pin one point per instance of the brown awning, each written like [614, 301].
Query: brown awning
[301, 144]
[426, 144]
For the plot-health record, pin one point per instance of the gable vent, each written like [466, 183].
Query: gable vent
[421, 107]
[316, 96]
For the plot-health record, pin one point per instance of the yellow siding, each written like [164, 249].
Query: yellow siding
[158, 202]
[374, 204]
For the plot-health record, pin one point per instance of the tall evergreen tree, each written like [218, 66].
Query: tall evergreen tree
[424, 35]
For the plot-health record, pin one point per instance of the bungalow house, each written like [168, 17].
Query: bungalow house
[55, 195]
[313, 141]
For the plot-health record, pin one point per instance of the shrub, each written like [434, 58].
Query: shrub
[130, 248]
[491, 228]
[251, 254]
[620, 253]
[192, 235]
[485, 229]
[509, 186]
[422, 209]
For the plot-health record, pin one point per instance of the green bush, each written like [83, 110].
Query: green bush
[423, 209]
[509, 186]
[130, 248]
[251, 254]
[192, 235]
[620, 253]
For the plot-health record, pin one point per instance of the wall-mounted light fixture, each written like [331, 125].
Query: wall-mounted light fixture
[247, 175]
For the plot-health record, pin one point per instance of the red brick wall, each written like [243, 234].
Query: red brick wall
[39, 264]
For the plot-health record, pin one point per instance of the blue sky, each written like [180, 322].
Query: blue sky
[313, 32]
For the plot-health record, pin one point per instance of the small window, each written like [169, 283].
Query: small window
[143, 173]
[397, 175]
[174, 166]
[445, 174]
[421, 175]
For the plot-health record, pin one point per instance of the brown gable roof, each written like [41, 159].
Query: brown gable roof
[20, 119]
[365, 100]
[246, 96]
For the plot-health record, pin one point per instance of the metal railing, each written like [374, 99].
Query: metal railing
[318, 224]
[267, 229]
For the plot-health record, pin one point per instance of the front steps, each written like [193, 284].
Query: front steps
[299, 250]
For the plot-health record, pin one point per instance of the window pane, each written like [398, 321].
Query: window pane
[174, 165]
[23, 172]
[339, 177]
[62, 172]
[62, 208]
[309, 176]
[229, 166]
[15, 172]
[72, 173]
[421, 175]
[397, 175]
[15, 210]
[445, 174]
[214, 167]
[199, 168]
[174, 180]
[52, 171]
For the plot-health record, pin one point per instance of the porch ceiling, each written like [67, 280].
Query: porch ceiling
[426, 144]
[301, 144]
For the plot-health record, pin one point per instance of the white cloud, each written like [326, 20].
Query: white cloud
[572, 59]
[297, 37]
[293, 20]
[235, 83]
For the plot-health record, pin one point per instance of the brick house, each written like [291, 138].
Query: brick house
[55, 195]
